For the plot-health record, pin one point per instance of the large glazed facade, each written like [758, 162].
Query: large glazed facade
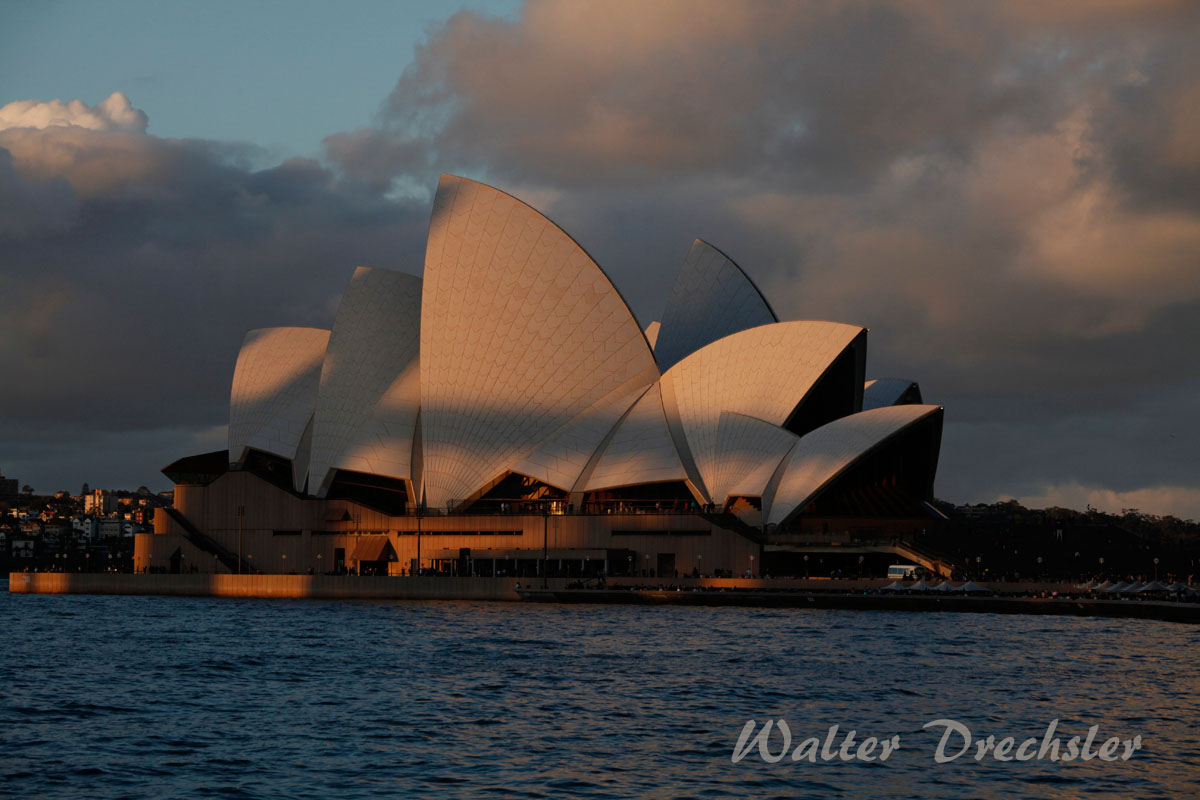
[510, 384]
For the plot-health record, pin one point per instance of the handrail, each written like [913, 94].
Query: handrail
[735, 523]
[205, 542]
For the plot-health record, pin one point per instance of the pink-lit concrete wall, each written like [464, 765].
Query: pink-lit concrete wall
[327, 525]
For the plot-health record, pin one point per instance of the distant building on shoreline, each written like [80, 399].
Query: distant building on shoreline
[99, 502]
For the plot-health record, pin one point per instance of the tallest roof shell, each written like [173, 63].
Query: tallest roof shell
[521, 332]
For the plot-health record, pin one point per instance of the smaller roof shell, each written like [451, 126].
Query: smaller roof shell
[828, 451]
[274, 390]
[763, 372]
[748, 451]
[882, 392]
[711, 298]
[370, 382]
[641, 449]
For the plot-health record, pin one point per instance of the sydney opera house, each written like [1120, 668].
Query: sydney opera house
[506, 414]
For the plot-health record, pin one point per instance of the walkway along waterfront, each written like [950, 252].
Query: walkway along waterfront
[863, 595]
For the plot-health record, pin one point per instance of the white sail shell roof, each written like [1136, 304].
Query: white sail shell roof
[562, 458]
[515, 353]
[748, 451]
[711, 298]
[521, 332]
[763, 372]
[826, 452]
[884, 392]
[641, 449]
[370, 384]
[274, 390]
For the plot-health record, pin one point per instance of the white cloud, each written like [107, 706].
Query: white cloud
[115, 113]
[95, 149]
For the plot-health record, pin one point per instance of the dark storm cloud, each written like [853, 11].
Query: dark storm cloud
[33, 207]
[819, 94]
[131, 266]
[970, 148]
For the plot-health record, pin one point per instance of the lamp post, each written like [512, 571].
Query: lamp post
[805, 566]
[751, 566]
[545, 542]
[1156, 569]
[241, 512]
[420, 513]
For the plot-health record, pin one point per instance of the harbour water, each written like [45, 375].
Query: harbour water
[114, 697]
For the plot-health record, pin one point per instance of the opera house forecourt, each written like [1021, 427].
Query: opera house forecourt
[505, 415]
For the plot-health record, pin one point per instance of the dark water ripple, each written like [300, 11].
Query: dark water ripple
[115, 697]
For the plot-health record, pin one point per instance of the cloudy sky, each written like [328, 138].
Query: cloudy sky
[1007, 195]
